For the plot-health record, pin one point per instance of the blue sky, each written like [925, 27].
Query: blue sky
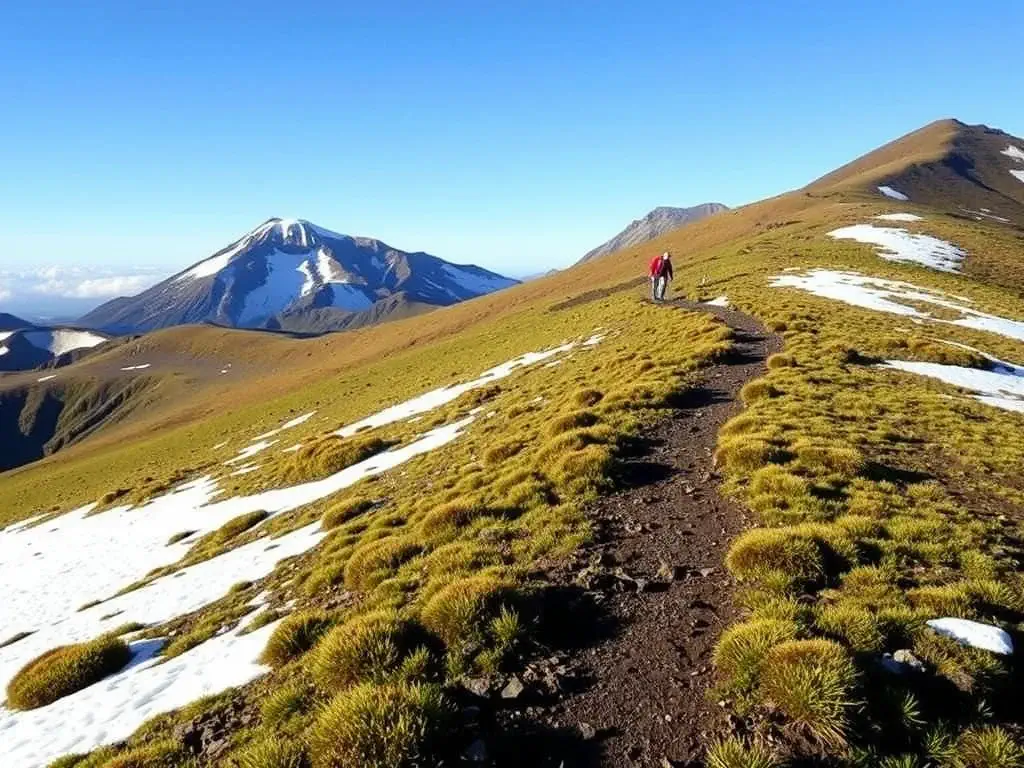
[515, 137]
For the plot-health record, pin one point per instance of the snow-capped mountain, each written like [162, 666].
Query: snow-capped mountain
[294, 275]
[32, 346]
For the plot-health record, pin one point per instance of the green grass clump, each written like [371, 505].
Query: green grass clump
[745, 453]
[991, 747]
[179, 536]
[780, 360]
[294, 636]
[733, 752]
[828, 457]
[856, 625]
[759, 389]
[742, 648]
[458, 612]
[811, 682]
[454, 514]
[286, 701]
[372, 647]
[572, 420]
[587, 398]
[344, 511]
[375, 561]
[502, 451]
[65, 670]
[763, 553]
[235, 527]
[397, 725]
[272, 752]
[329, 455]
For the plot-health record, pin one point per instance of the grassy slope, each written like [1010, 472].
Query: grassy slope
[887, 498]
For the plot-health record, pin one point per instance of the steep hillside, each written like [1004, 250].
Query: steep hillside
[656, 223]
[496, 532]
[11, 323]
[291, 275]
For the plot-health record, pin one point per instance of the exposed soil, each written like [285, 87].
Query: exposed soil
[638, 694]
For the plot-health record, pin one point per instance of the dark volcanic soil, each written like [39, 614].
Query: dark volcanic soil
[655, 588]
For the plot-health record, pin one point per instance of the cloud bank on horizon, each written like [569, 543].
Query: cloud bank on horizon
[41, 291]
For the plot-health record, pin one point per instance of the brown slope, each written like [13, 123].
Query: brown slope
[947, 164]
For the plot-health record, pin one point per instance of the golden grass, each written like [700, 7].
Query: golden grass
[65, 670]
[294, 636]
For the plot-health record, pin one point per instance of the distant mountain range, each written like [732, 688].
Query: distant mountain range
[289, 274]
[654, 224]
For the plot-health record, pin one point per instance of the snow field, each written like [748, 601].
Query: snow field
[890, 192]
[54, 568]
[883, 295]
[899, 217]
[899, 245]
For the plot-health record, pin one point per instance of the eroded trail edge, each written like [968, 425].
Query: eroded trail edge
[656, 589]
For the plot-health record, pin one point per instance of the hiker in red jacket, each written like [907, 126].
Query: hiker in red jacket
[661, 275]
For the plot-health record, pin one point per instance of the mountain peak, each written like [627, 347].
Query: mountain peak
[657, 222]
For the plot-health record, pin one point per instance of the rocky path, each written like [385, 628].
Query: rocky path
[658, 593]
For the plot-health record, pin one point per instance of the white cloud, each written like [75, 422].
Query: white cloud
[97, 287]
[76, 282]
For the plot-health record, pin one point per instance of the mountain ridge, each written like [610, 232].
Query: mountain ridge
[654, 224]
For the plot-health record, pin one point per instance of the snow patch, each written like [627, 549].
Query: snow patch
[61, 341]
[474, 282]
[6, 334]
[46, 378]
[882, 295]
[890, 192]
[721, 301]
[1016, 153]
[142, 367]
[975, 634]
[1001, 387]
[249, 451]
[899, 217]
[1018, 175]
[114, 708]
[296, 422]
[438, 397]
[245, 470]
[899, 245]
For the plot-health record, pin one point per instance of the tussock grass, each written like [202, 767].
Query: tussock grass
[343, 511]
[742, 648]
[375, 561]
[327, 456]
[812, 683]
[373, 647]
[572, 420]
[294, 636]
[733, 752]
[65, 670]
[272, 752]
[396, 725]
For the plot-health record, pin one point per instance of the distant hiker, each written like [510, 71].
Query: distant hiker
[661, 275]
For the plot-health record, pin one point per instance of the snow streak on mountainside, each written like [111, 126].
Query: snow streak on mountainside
[654, 224]
[290, 274]
[30, 346]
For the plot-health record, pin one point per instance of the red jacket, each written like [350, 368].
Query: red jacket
[661, 267]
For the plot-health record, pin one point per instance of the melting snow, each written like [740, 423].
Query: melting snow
[900, 245]
[249, 451]
[721, 301]
[6, 334]
[4, 351]
[61, 341]
[142, 367]
[899, 217]
[245, 470]
[1002, 387]
[438, 397]
[296, 422]
[52, 569]
[46, 378]
[1014, 152]
[884, 295]
[890, 192]
[293, 448]
[975, 634]
[1019, 175]
[115, 707]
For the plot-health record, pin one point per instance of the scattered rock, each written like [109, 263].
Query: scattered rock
[513, 689]
[671, 572]
[975, 634]
[904, 656]
[705, 572]
[478, 686]
[587, 731]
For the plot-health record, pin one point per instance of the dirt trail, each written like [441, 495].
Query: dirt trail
[638, 695]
